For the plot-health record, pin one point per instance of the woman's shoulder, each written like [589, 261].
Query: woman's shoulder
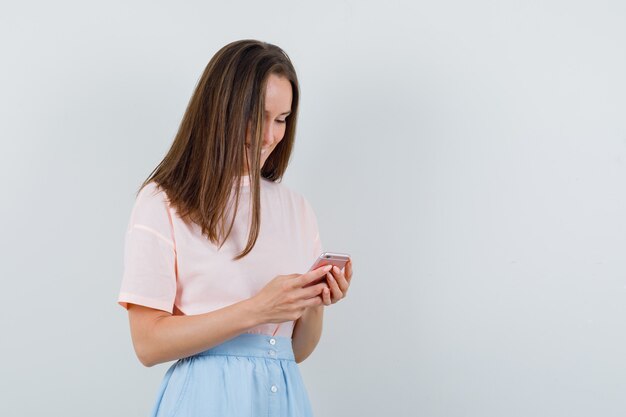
[152, 190]
[298, 198]
[151, 208]
[281, 187]
[152, 197]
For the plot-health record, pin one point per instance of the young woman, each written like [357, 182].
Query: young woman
[216, 246]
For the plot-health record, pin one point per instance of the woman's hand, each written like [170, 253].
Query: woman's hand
[339, 282]
[286, 297]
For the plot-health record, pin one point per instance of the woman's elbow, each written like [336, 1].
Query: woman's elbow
[145, 359]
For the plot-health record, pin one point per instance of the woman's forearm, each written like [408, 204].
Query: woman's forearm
[307, 332]
[175, 337]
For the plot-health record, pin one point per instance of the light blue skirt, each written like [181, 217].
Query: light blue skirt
[248, 375]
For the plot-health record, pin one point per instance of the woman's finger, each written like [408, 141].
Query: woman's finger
[326, 297]
[340, 278]
[337, 294]
[348, 270]
[310, 277]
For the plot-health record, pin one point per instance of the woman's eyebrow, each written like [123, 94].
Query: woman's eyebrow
[287, 112]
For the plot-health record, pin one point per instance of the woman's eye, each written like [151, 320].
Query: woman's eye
[280, 121]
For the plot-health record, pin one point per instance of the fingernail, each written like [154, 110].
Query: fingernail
[327, 268]
[335, 268]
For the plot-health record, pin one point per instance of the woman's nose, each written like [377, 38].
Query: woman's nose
[268, 136]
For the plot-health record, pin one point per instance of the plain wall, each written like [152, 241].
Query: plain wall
[469, 155]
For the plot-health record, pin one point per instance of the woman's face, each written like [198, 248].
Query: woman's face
[278, 97]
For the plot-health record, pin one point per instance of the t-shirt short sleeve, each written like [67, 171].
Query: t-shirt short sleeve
[149, 276]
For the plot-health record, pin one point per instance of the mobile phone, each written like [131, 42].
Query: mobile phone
[333, 258]
[326, 258]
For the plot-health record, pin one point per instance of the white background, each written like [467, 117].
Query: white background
[469, 155]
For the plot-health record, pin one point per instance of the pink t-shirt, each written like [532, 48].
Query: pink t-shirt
[168, 263]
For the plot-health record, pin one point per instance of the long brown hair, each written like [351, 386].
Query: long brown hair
[208, 154]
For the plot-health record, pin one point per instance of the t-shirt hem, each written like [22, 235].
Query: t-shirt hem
[125, 298]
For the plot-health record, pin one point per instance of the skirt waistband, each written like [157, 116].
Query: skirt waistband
[254, 344]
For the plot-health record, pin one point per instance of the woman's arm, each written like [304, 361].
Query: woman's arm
[158, 336]
[307, 332]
